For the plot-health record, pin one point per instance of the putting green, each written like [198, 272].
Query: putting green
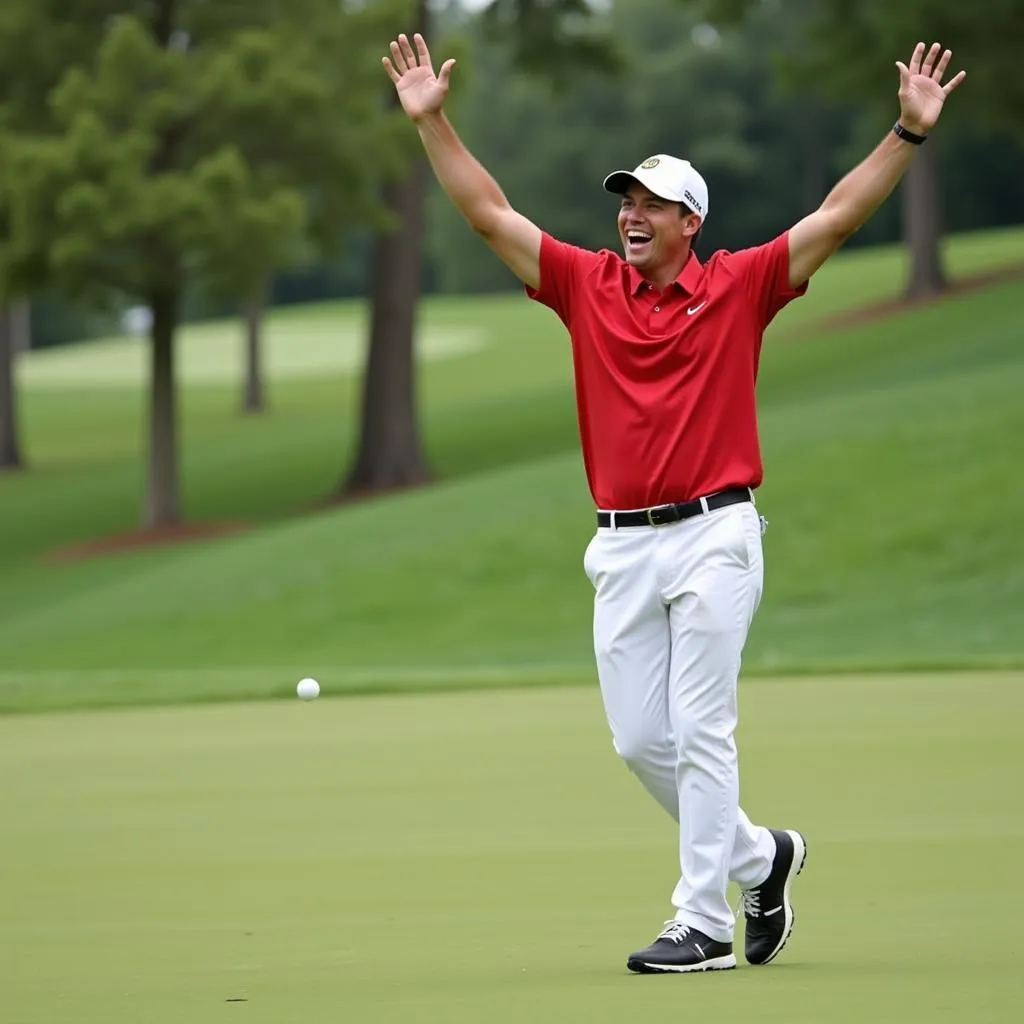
[484, 857]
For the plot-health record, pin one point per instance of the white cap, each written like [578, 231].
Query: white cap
[667, 177]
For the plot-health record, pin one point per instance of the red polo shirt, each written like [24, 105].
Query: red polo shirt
[665, 380]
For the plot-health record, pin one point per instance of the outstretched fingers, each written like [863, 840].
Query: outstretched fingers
[398, 58]
[915, 59]
[421, 49]
[932, 64]
[404, 59]
[929, 61]
[410, 57]
[446, 71]
[954, 82]
[940, 68]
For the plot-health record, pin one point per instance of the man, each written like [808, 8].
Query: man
[665, 353]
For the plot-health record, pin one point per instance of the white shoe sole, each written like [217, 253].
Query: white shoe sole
[717, 963]
[799, 859]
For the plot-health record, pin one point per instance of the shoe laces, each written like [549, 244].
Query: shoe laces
[750, 903]
[675, 931]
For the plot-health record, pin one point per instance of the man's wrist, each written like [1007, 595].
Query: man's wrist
[435, 117]
[911, 133]
[432, 127]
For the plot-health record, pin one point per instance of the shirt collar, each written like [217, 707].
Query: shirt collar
[688, 279]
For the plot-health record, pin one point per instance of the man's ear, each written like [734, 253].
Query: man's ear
[693, 222]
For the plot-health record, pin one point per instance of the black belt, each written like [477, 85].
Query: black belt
[661, 515]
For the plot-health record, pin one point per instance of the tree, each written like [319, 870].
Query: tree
[552, 40]
[28, 70]
[339, 190]
[184, 150]
[848, 50]
[253, 391]
[10, 446]
[390, 454]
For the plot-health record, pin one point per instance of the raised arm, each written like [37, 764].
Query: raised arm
[866, 187]
[474, 192]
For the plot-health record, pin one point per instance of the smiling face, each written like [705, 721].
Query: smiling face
[656, 234]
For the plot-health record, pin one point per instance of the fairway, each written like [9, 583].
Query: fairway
[484, 857]
[296, 344]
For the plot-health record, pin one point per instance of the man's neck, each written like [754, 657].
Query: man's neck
[663, 276]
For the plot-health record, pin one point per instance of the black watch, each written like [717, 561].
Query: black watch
[908, 136]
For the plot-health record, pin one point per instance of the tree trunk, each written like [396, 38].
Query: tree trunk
[254, 395]
[10, 447]
[390, 454]
[922, 225]
[163, 506]
[21, 325]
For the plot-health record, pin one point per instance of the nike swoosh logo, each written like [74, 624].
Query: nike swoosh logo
[695, 309]
[768, 913]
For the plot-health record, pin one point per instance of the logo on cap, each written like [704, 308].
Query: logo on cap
[649, 163]
[689, 197]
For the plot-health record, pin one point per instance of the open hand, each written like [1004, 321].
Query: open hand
[420, 91]
[921, 91]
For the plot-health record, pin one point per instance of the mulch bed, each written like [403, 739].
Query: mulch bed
[136, 539]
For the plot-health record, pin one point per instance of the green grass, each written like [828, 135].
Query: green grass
[485, 856]
[893, 491]
[297, 344]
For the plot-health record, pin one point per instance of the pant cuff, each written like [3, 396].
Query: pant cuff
[712, 929]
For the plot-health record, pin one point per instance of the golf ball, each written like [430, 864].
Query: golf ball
[308, 689]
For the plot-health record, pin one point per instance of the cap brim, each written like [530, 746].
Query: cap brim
[620, 181]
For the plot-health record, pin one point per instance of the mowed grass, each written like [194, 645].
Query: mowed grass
[470, 857]
[893, 492]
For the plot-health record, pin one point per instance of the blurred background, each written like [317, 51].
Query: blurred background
[269, 408]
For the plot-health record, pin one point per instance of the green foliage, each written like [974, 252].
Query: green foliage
[211, 142]
[849, 50]
[554, 39]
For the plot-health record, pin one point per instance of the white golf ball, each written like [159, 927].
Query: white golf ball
[308, 689]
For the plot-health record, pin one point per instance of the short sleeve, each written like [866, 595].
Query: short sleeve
[764, 270]
[561, 267]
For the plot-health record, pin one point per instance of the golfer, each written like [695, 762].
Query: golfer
[665, 354]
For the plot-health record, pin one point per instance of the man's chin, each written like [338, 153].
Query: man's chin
[637, 259]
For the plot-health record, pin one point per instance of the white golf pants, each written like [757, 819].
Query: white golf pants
[672, 608]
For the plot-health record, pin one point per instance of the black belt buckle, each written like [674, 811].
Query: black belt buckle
[661, 515]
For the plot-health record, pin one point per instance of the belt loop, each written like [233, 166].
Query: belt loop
[753, 501]
[611, 520]
[704, 505]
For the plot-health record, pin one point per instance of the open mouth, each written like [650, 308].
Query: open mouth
[638, 242]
